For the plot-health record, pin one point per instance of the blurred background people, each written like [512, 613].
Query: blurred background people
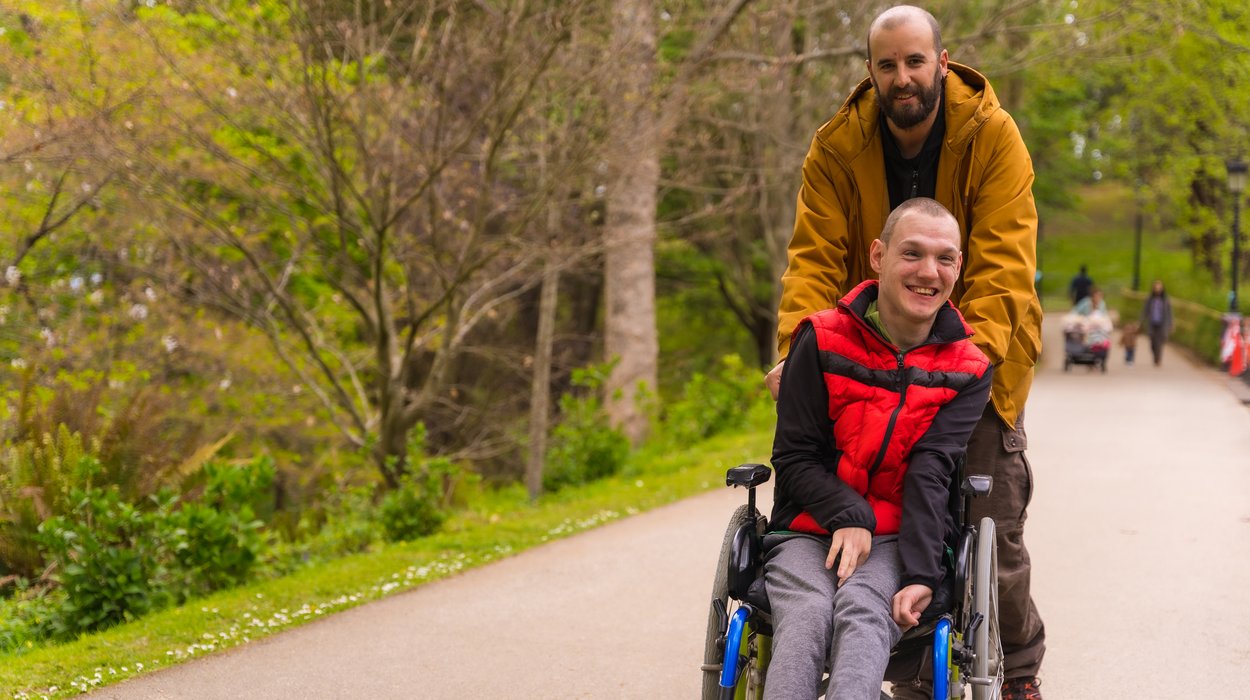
[1156, 320]
[1080, 286]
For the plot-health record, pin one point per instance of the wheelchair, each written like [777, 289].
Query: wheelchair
[956, 646]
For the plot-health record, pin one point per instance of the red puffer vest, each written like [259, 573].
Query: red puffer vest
[881, 401]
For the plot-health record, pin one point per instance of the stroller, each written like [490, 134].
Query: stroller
[1086, 341]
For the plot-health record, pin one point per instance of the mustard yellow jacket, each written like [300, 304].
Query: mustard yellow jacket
[985, 178]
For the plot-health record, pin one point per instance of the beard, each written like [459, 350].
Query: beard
[907, 116]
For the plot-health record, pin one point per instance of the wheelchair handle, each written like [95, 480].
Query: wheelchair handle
[749, 476]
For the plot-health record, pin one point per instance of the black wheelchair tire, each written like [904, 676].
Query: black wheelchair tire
[988, 647]
[712, 654]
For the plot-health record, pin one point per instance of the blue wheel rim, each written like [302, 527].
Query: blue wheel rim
[941, 660]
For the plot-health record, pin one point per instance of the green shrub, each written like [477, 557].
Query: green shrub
[26, 619]
[419, 505]
[116, 561]
[410, 511]
[583, 446]
[711, 404]
[63, 430]
[216, 540]
[342, 523]
[107, 561]
[36, 476]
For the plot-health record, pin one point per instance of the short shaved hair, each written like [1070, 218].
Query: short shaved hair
[916, 205]
[902, 14]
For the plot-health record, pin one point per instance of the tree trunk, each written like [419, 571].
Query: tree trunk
[780, 155]
[540, 402]
[631, 336]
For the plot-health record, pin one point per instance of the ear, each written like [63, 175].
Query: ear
[944, 61]
[875, 254]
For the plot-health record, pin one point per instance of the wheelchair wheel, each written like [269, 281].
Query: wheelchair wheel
[987, 665]
[718, 611]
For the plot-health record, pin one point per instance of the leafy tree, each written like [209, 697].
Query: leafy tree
[348, 178]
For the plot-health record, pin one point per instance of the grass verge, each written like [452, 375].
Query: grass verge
[496, 525]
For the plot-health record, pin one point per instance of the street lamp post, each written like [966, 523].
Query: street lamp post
[1137, 195]
[1236, 184]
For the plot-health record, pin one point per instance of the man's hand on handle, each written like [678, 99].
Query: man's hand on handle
[773, 379]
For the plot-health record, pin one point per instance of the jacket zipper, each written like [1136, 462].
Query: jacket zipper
[889, 428]
[902, 381]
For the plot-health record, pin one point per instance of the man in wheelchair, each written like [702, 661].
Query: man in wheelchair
[878, 398]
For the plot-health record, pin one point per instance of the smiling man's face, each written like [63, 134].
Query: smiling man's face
[907, 71]
[918, 267]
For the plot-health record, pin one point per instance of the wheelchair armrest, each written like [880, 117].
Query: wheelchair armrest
[748, 475]
[977, 485]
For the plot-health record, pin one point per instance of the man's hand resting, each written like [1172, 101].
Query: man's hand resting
[909, 603]
[854, 543]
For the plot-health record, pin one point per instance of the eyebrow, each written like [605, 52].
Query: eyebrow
[912, 242]
[918, 54]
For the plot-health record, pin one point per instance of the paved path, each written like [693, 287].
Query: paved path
[1139, 530]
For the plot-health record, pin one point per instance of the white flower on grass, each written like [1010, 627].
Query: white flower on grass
[170, 343]
[17, 363]
[138, 312]
[12, 275]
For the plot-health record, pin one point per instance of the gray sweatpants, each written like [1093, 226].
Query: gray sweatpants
[814, 620]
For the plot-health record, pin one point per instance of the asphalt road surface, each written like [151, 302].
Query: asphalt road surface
[1139, 531]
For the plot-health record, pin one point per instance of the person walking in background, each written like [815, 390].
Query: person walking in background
[1234, 351]
[1128, 338]
[1080, 286]
[921, 125]
[1156, 319]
